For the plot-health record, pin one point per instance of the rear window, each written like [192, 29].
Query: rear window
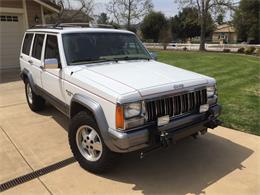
[27, 43]
[37, 46]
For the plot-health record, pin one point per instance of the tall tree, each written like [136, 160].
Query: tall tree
[247, 20]
[103, 19]
[152, 25]
[204, 8]
[128, 11]
[186, 24]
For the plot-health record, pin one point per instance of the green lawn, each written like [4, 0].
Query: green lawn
[238, 81]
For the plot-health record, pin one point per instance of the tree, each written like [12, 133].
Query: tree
[204, 8]
[165, 36]
[79, 7]
[128, 11]
[152, 25]
[220, 19]
[175, 28]
[103, 19]
[247, 20]
[186, 24]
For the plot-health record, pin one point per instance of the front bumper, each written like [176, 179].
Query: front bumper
[177, 129]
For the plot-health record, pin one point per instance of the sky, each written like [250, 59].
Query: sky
[168, 7]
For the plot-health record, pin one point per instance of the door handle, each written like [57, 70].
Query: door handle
[30, 62]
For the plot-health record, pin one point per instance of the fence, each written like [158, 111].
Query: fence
[195, 47]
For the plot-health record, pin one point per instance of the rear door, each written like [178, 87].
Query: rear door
[26, 51]
[36, 60]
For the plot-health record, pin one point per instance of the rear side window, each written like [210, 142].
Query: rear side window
[52, 48]
[27, 43]
[37, 46]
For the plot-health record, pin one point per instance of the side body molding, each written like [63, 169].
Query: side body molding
[26, 73]
[99, 115]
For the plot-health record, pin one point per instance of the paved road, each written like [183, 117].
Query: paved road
[224, 161]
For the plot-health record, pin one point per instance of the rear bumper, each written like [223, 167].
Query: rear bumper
[177, 129]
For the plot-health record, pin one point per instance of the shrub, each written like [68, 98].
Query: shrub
[258, 52]
[226, 50]
[250, 50]
[241, 50]
[165, 37]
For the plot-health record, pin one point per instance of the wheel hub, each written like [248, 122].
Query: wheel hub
[89, 143]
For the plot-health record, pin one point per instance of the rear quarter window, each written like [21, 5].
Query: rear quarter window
[27, 43]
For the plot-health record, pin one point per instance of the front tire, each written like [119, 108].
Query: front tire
[35, 102]
[87, 144]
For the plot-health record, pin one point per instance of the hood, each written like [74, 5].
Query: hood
[148, 76]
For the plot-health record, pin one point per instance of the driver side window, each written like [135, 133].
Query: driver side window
[52, 48]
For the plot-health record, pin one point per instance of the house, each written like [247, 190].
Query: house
[15, 17]
[70, 16]
[224, 33]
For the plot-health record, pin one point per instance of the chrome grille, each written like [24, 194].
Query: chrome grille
[175, 105]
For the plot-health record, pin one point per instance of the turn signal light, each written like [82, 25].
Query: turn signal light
[120, 117]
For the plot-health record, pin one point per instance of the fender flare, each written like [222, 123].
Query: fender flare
[30, 78]
[99, 115]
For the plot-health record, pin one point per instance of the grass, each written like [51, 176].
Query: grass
[238, 81]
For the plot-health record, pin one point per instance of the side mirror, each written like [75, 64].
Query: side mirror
[51, 63]
[154, 55]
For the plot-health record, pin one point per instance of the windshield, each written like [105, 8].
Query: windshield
[83, 48]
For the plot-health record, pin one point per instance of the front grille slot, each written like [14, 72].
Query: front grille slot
[175, 105]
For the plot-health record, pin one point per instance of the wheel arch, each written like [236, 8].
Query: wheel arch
[84, 103]
[25, 74]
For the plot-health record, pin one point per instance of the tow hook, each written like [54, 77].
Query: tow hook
[164, 139]
[213, 123]
[164, 143]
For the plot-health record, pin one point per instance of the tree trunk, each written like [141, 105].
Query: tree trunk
[129, 15]
[203, 32]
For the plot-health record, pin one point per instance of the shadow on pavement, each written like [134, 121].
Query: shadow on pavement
[186, 167]
[9, 75]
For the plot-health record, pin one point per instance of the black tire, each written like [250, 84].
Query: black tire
[107, 156]
[36, 103]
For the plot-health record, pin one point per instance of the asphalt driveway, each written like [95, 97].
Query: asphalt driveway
[224, 161]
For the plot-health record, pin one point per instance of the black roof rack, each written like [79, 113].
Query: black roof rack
[72, 25]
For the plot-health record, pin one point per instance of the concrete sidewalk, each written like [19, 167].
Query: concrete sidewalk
[224, 161]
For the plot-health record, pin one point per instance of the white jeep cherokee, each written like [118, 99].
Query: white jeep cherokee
[117, 97]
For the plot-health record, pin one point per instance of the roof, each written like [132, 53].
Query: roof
[226, 28]
[49, 5]
[65, 30]
[75, 16]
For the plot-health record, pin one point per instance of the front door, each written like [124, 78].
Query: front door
[52, 81]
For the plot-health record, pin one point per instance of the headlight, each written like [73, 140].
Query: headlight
[132, 110]
[211, 91]
[130, 115]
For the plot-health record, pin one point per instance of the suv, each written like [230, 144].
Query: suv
[117, 97]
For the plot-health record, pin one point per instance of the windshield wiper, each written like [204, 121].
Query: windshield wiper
[131, 58]
[104, 59]
[90, 60]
